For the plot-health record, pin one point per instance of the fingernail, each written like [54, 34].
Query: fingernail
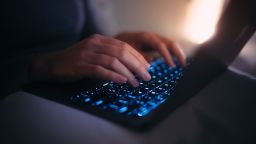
[146, 76]
[172, 64]
[148, 65]
[122, 80]
[135, 83]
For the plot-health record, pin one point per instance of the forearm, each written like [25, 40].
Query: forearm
[41, 67]
[18, 68]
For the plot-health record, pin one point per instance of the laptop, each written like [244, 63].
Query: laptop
[143, 107]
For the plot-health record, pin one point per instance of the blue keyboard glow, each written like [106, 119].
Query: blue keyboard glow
[139, 101]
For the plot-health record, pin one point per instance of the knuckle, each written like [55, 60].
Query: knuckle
[113, 61]
[141, 68]
[123, 51]
[138, 66]
[95, 38]
[160, 45]
[96, 69]
[123, 46]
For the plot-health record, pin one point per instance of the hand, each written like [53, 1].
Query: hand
[97, 56]
[144, 40]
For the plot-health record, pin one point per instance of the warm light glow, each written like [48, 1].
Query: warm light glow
[202, 17]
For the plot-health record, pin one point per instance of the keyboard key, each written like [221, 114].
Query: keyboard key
[112, 106]
[98, 102]
[87, 100]
[123, 109]
[123, 101]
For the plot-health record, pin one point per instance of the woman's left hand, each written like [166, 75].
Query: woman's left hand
[144, 41]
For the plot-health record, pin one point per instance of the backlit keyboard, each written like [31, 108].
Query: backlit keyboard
[139, 101]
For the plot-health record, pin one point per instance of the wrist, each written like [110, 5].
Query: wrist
[40, 68]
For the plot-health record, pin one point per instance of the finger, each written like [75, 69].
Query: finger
[175, 49]
[114, 64]
[138, 55]
[103, 73]
[119, 43]
[154, 42]
[125, 57]
[129, 60]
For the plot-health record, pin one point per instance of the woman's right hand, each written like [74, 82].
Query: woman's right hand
[95, 57]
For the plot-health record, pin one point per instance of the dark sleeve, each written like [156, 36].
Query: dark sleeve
[14, 71]
[90, 26]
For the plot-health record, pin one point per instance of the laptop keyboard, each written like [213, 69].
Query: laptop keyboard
[139, 101]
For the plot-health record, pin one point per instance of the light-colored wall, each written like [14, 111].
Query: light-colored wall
[162, 16]
[165, 17]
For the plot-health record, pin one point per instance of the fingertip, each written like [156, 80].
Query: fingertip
[135, 83]
[182, 61]
[148, 65]
[146, 76]
[172, 64]
[181, 55]
[121, 79]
